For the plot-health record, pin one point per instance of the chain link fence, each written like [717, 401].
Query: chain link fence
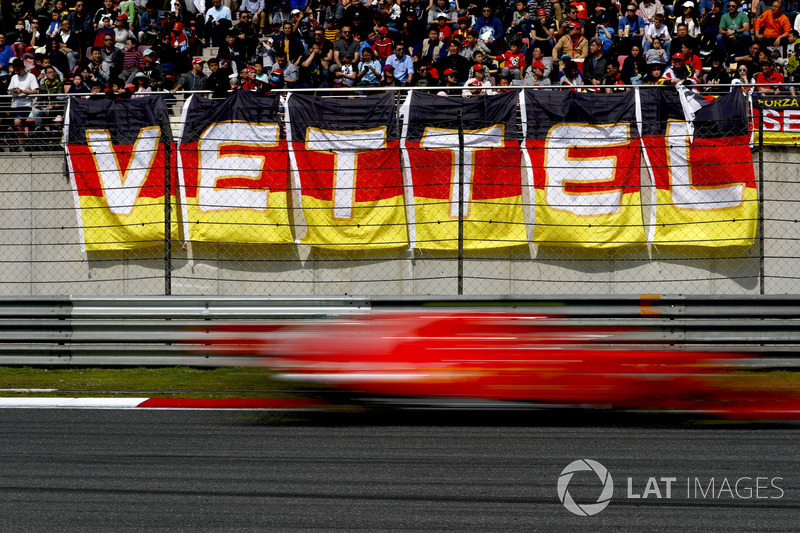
[386, 193]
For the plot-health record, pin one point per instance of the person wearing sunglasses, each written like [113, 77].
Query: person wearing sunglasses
[630, 29]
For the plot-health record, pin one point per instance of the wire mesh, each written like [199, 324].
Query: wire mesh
[447, 203]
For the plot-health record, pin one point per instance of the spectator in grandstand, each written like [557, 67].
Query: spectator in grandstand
[655, 74]
[630, 29]
[6, 54]
[773, 27]
[432, 47]
[346, 45]
[752, 59]
[569, 75]
[402, 65]
[513, 61]
[717, 74]
[634, 68]
[767, 76]
[472, 45]
[520, 27]
[68, 43]
[369, 69]
[743, 76]
[537, 54]
[149, 24]
[657, 30]
[56, 57]
[648, 10]
[692, 60]
[451, 86]
[231, 54]
[388, 79]
[543, 31]
[571, 17]
[441, 7]
[709, 25]
[605, 32]
[166, 54]
[615, 78]
[383, 44]
[678, 71]
[22, 86]
[291, 75]
[78, 85]
[490, 29]
[456, 62]
[479, 80]
[266, 53]
[121, 32]
[689, 18]
[656, 54]
[54, 26]
[154, 71]
[412, 30]
[48, 107]
[535, 75]
[291, 44]
[315, 67]
[573, 44]
[681, 37]
[594, 66]
[257, 11]
[218, 23]
[111, 58]
[218, 82]
[141, 85]
[132, 60]
[107, 10]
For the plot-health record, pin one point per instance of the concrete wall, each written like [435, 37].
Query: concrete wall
[41, 255]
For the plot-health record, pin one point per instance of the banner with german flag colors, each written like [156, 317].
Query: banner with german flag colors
[345, 158]
[699, 157]
[116, 155]
[582, 157]
[484, 189]
[234, 170]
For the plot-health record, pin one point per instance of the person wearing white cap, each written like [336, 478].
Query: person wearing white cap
[689, 18]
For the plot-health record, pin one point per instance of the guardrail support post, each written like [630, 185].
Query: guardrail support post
[167, 140]
[760, 196]
[460, 202]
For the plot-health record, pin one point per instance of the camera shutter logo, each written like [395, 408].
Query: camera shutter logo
[588, 509]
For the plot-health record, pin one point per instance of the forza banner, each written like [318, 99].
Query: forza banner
[484, 187]
[345, 159]
[234, 170]
[583, 161]
[705, 191]
[781, 117]
[116, 160]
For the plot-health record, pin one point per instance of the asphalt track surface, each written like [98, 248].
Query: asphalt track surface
[111, 470]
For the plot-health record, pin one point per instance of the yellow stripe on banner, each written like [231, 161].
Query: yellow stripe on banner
[142, 228]
[556, 227]
[241, 225]
[780, 137]
[373, 225]
[732, 226]
[496, 223]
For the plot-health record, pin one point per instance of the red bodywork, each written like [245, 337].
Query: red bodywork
[502, 357]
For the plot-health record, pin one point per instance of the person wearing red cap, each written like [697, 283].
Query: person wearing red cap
[537, 77]
[479, 80]
[450, 83]
[543, 31]
[383, 44]
[463, 28]
[677, 71]
[194, 80]
[572, 44]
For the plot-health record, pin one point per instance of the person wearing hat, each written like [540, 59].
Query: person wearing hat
[445, 31]
[630, 28]
[389, 79]
[22, 86]
[689, 18]
[535, 75]
[194, 80]
[479, 80]
[543, 31]
[573, 44]
[121, 31]
[334, 15]
[734, 29]
[767, 76]
[441, 8]
[678, 71]
[402, 64]
[154, 71]
[450, 83]
[463, 28]
[717, 74]
[218, 22]
[384, 46]
[456, 62]
[141, 84]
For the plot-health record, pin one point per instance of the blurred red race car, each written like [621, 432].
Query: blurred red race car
[510, 358]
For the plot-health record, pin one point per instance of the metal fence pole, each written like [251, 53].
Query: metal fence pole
[460, 202]
[165, 138]
[760, 195]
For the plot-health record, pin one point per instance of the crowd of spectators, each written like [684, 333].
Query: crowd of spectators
[116, 50]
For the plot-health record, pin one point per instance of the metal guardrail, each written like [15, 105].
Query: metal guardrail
[163, 331]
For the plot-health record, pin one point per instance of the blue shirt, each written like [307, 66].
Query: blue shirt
[403, 68]
[635, 24]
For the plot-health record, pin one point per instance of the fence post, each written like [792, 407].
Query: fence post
[167, 140]
[760, 195]
[460, 202]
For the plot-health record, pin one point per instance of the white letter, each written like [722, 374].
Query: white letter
[770, 123]
[668, 481]
[630, 490]
[564, 170]
[214, 166]
[759, 487]
[704, 493]
[723, 489]
[652, 488]
[473, 140]
[685, 195]
[791, 119]
[777, 487]
[121, 186]
[345, 146]
[749, 488]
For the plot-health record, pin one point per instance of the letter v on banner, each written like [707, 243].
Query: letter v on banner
[116, 161]
[698, 155]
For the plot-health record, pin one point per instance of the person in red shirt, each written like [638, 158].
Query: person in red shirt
[513, 61]
[445, 32]
[583, 14]
[768, 75]
[383, 45]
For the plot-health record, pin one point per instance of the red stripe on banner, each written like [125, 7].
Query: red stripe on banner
[721, 161]
[231, 403]
[274, 174]
[378, 173]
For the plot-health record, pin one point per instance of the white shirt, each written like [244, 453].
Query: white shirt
[27, 82]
